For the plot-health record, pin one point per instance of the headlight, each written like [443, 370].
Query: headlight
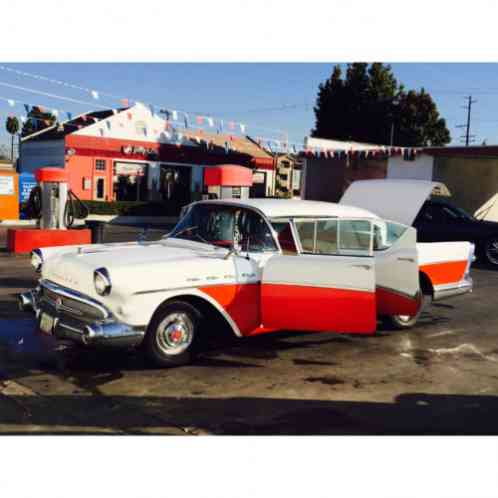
[36, 260]
[102, 281]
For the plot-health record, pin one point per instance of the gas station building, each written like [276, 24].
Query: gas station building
[126, 154]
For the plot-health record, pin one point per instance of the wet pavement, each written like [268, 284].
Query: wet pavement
[439, 378]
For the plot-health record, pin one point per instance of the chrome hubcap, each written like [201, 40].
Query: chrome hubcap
[404, 318]
[492, 251]
[175, 333]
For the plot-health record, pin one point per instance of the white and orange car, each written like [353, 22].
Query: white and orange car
[255, 265]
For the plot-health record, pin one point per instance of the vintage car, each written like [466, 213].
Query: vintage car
[435, 217]
[253, 266]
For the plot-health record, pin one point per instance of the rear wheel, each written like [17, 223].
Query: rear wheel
[172, 336]
[400, 322]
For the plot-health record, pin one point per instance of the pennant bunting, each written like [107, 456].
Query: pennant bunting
[210, 122]
[95, 94]
[242, 128]
[11, 102]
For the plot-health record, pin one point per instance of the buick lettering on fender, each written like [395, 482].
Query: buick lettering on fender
[254, 266]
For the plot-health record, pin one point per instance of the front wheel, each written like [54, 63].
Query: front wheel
[401, 322]
[172, 335]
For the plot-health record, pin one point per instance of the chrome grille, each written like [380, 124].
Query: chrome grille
[68, 302]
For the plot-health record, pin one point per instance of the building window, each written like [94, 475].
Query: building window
[100, 164]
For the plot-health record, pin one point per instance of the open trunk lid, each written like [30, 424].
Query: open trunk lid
[395, 200]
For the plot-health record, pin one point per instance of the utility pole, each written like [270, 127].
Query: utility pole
[468, 137]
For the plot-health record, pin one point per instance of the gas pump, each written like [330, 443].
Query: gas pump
[228, 181]
[56, 207]
[52, 202]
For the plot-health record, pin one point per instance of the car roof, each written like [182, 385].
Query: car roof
[294, 208]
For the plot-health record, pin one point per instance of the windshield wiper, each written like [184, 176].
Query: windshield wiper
[188, 229]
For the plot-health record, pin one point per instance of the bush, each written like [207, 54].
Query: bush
[133, 208]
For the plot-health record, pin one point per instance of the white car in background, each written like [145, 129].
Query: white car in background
[255, 266]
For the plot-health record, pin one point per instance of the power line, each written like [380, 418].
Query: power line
[468, 137]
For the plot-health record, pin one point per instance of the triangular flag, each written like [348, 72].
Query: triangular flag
[231, 125]
[199, 120]
[94, 94]
[174, 115]
[242, 128]
[125, 102]
[55, 112]
[69, 116]
[11, 102]
[26, 106]
[185, 120]
[210, 122]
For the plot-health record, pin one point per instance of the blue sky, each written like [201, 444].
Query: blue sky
[272, 99]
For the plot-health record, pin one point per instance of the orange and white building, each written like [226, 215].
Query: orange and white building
[123, 154]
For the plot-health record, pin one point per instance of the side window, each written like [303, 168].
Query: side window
[285, 237]
[306, 231]
[335, 237]
[255, 234]
[386, 233]
[326, 237]
[354, 235]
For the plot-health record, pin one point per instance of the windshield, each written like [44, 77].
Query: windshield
[222, 225]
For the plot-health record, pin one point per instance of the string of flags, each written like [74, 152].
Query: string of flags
[171, 114]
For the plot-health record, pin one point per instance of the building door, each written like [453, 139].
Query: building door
[258, 188]
[175, 183]
[99, 191]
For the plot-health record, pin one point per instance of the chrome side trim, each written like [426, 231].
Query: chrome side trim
[451, 290]
[77, 296]
[321, 286]
[190, 287]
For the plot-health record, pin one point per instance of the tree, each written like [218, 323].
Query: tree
[12, 127]
[37, 119]
[368, 105]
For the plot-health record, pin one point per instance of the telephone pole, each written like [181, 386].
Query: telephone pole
[468, 137]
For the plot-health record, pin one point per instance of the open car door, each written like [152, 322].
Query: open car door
[329, 285]
[397, 269]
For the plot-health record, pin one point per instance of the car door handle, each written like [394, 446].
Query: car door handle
[365, 267]
[410, 260]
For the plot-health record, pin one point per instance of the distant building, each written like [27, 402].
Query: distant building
[129, 154]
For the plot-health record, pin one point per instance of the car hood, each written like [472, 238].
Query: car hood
[395, 200]
[134, 267]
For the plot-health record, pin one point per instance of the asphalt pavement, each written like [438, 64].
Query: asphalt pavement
[441, 377]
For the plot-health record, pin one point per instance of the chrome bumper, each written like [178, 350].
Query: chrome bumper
[72, 324]
[446, 291]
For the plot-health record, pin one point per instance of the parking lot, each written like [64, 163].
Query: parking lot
[441, 377]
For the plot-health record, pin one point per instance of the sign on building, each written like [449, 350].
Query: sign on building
[7, 185]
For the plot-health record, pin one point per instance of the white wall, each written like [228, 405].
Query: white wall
[41, 153]
[420, 169]
[143, 126]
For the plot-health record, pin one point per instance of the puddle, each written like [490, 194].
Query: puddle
[20, 339]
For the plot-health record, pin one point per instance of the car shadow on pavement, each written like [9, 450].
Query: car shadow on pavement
[408, 414]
